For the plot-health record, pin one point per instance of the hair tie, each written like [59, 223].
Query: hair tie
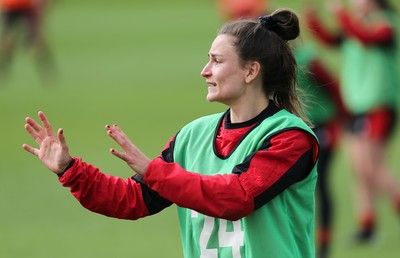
[267, 21]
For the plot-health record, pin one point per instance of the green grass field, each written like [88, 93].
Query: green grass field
[135, 63]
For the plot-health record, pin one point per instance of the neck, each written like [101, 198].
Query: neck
[246, 112]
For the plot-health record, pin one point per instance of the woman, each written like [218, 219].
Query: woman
[243, 180]
[369, 83]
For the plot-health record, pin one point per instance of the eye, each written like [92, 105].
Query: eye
[217, 61]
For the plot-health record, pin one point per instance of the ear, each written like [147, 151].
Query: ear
[253, 70]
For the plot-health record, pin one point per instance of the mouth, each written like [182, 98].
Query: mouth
[211, 84]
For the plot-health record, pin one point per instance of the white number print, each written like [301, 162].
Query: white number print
[233, 239]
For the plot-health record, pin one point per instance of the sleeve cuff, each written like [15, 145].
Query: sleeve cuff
[70, 164]
[152, 168]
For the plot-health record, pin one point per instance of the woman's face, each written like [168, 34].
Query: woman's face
[224, 74]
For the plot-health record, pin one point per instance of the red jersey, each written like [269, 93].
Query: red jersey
[10, 5]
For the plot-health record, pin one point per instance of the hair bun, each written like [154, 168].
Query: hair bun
[283, 22]
[267, 21]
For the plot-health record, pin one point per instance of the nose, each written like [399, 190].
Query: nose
[206, 72]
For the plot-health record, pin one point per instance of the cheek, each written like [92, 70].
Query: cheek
[231, 88]
[230, 76]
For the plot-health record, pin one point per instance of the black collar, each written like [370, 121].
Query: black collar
[270, 110]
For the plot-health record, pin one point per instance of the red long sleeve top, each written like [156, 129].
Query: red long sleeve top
[288, 158]
[367, 33]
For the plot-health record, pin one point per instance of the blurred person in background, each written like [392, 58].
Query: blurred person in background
[243, 179]
[325, 109]
[370, 90]
[234, 9]
[24, 18]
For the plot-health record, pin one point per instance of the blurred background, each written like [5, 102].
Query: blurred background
[136, 63]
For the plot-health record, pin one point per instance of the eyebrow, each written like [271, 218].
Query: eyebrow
[214, 54]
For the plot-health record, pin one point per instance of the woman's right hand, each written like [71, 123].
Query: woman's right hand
[53, 150]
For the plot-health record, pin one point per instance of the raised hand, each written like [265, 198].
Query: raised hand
[132, 155]
[53, 150]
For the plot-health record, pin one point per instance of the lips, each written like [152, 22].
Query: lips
[211, 84]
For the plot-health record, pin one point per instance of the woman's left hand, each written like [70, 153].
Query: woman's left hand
[132, 155]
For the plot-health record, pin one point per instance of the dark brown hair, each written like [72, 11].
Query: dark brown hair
[266, 41]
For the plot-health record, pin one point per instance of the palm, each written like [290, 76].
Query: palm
[51, 153]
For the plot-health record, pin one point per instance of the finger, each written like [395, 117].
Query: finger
[34, 134]
[30, 149]
[118, 154]
[119, 134]
[119, 137]
[46, 124]
[33, 124]
[118, 129]
[114, 128]
[116, 135]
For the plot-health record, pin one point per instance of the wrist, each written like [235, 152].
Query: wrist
[70, 164]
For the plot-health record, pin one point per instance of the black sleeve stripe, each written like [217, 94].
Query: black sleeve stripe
[154, 202]
[244, 166]
[168, 154]
[299, 171]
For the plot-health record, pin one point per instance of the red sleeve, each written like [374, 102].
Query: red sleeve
[287, 158]
[379, 33]
[319, 31]
[105, 194]
[330, 84]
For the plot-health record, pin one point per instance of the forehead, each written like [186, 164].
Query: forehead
[222, 45]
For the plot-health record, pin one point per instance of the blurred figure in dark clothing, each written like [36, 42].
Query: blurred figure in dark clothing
[24, 17]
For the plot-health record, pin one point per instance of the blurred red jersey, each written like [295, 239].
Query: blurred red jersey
[9, 5]
[234, 9]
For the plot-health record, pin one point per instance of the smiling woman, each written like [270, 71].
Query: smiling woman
[237, 177]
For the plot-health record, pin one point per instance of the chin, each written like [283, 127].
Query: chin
[211, 98]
